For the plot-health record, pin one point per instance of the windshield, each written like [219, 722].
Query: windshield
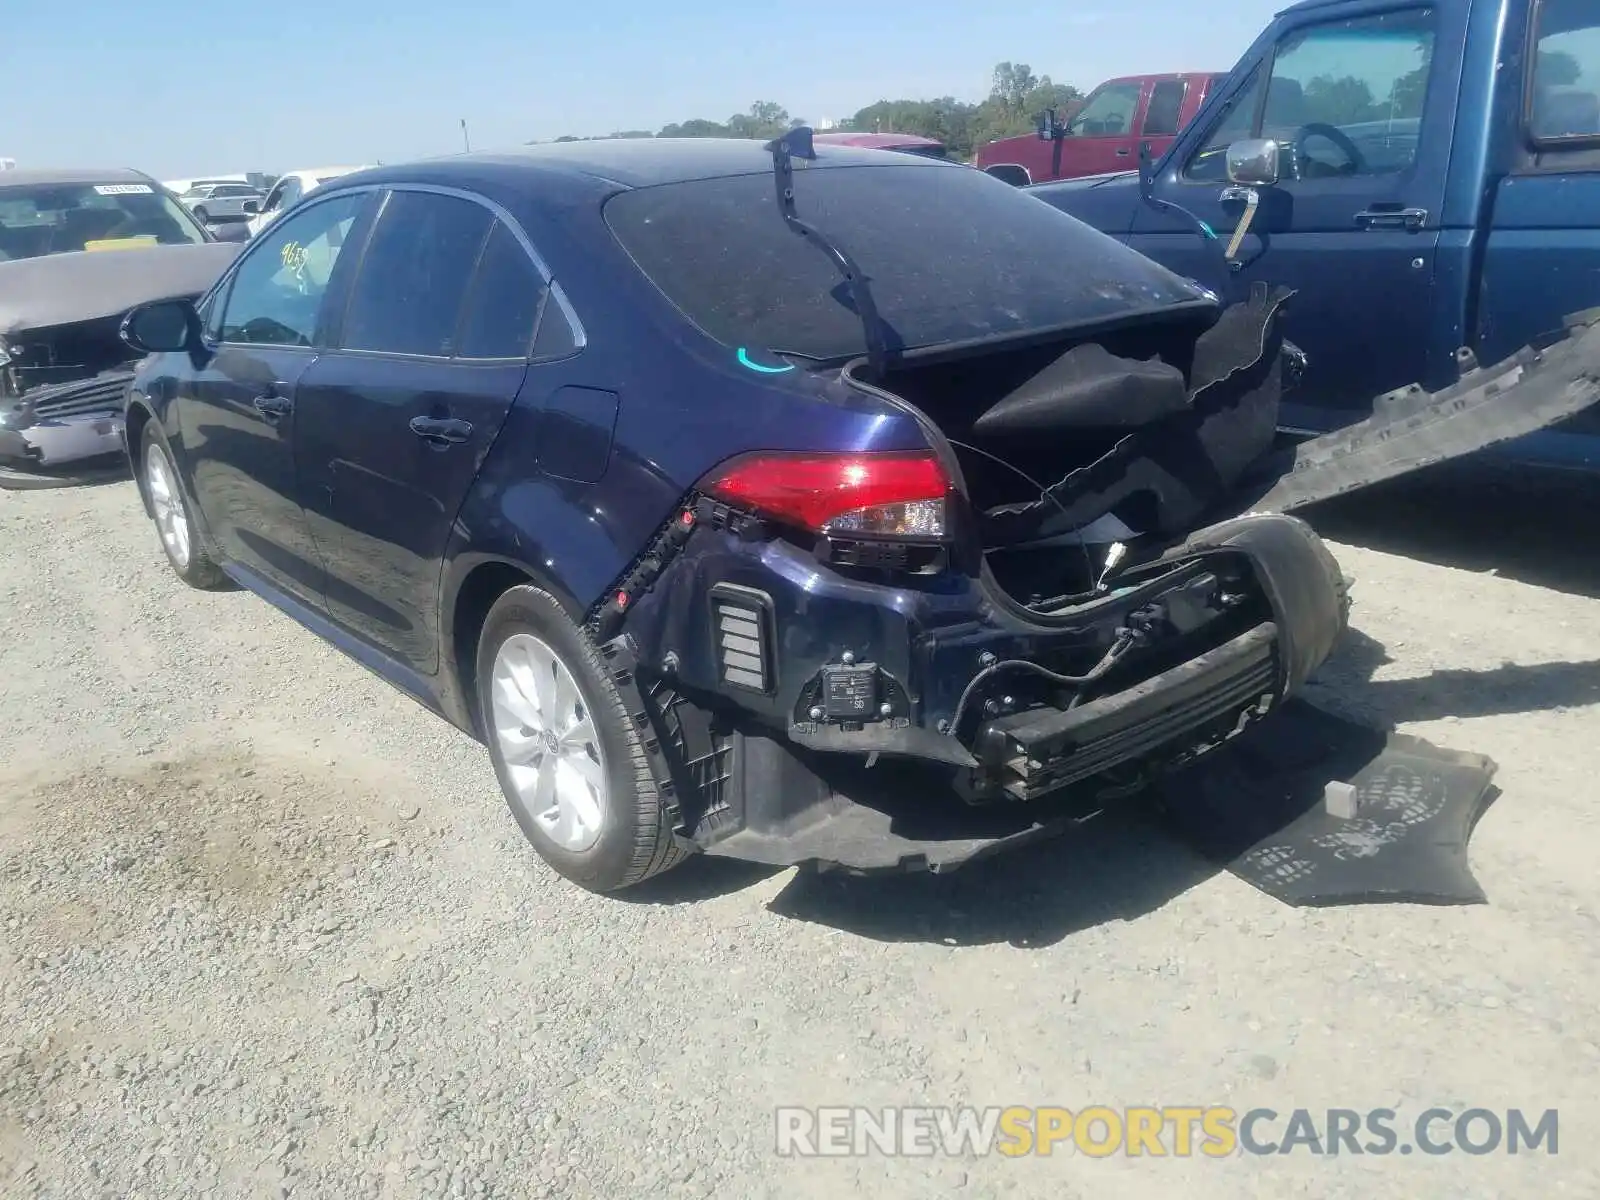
[46, 219]
[952, 255]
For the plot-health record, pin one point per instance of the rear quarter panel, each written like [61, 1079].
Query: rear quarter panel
[684, 406]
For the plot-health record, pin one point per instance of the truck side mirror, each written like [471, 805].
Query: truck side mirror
[1253, 162]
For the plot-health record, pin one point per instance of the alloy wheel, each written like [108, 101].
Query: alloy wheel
[545, 730]
[172, 522]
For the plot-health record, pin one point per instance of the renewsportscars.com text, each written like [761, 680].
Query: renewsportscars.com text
[1178, 1131]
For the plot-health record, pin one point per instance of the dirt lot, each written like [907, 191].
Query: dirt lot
[268, 929]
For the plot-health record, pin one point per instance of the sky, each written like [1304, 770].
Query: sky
[182, 90]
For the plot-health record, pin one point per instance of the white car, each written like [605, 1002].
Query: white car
[209, 201]
[288, 191]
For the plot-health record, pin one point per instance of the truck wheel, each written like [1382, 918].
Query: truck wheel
[566, 753]
[180, 536]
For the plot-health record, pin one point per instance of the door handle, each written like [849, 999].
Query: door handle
[441, 430]
[273, 408]
[1124, 152]
[1379, 217]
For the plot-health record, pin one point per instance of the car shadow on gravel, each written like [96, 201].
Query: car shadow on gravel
[703, 877]
[1535, 527]
[1495, 691]
[1118, 867]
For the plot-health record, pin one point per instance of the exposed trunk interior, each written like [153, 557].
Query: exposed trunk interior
[1122, 436]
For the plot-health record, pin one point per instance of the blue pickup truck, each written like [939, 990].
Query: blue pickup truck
[1426, 176]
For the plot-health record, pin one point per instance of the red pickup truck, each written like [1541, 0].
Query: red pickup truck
[1105, 132]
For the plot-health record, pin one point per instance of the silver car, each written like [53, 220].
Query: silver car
[218, 201]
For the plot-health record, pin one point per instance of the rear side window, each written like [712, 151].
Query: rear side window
[557, 338]
[952, 254]
[1564, 92]
[414, 276]
[1166, 101]
[503, 305]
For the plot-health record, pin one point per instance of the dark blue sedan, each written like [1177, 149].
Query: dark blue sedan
[696, 478]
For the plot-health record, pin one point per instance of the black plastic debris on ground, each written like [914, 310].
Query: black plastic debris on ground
[1258, 808]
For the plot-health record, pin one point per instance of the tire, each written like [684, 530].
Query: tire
[176, 528]
[202, 216]
[587, 801]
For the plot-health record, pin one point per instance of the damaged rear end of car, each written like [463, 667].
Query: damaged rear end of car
[1076, 571]
[1022, 613]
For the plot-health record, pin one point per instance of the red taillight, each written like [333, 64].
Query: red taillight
[874, 494]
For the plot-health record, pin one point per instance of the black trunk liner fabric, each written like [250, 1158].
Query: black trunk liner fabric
[1256, 807]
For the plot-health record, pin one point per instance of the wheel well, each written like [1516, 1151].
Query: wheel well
[138, 416]
[479, 590]
[1013, 173]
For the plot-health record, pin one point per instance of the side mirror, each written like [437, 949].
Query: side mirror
[1253, 162]
[162, 327]
[1049, 126]
[250, 207]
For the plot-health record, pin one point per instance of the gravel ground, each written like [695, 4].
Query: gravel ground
[269, 930]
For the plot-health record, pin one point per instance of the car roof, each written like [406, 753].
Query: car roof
[1163, 77]
[315, 172]
[37, 176]
[629, 162]
[877, 141]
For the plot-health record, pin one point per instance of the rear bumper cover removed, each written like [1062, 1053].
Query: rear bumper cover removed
[762, 797]
[767, 799]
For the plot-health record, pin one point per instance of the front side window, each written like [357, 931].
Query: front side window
[1166, 102]
[1109, 112]
[414, 275]
[1238, 121]
[41, 219]
[278, 288]
[1564, 99]
[1344, 99]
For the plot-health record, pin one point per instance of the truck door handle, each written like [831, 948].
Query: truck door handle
[441, 430]
[1386, 217]
[273, 408]
[1124, 152]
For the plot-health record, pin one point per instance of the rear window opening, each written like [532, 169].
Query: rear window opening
[952, 255]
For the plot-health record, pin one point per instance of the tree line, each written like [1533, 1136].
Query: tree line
[1016, 97]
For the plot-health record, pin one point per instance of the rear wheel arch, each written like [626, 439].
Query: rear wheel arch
[467, 607]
